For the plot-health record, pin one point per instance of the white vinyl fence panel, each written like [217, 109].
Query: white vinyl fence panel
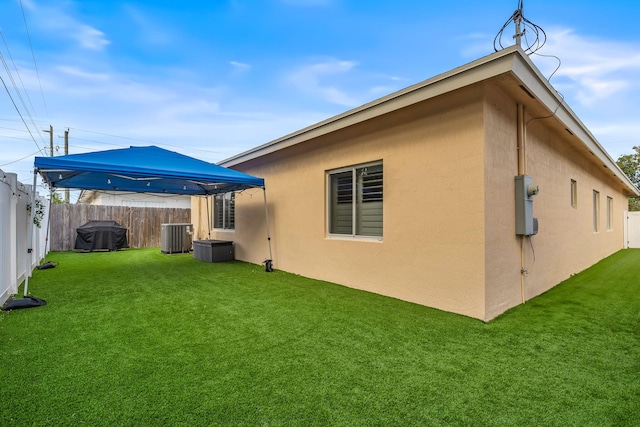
[15, 262]
[633, 229]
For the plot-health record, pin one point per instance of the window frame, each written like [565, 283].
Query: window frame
[228, 211]
[354, 194]
[596, 211]
[609, 213]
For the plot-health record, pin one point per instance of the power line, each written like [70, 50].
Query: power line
[20, 114]
[522, 25]
[15, 87]
[9, 120]
[17, 72]
[139, 140]
[15, 137]
[34, 58]
[19, 160]
[17, 130]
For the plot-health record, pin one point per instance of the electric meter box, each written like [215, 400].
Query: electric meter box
[526, 224]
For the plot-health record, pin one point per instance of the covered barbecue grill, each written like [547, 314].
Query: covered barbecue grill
[101, 235]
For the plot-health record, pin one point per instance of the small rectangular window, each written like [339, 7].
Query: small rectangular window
[596, 211]
[609, 213]
[574, 194]
[355, 200]
[224, 211]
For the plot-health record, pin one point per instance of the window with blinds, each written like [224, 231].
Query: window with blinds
[355, 200]
[224, 211]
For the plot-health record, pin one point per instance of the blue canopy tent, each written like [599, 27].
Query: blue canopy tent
[143, 170]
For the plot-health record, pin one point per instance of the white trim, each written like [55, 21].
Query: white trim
[512, 60]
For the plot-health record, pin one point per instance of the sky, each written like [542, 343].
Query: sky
[214, 78]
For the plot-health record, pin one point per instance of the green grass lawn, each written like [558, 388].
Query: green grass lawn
[137, 337]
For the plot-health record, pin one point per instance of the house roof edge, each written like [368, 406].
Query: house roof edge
[511, 59]
[410, 95]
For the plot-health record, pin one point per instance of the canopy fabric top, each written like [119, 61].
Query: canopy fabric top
[142, 170]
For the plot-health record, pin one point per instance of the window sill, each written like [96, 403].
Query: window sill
[374, 239]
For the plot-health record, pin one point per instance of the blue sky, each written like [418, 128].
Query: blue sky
[213, 78]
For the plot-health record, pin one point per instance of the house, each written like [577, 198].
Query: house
[140, 200]
[471, 192]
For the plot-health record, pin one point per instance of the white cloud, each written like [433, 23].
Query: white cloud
[240, 67]
[598, 78]
[60, 22]
[86, 75]
[90, 38]
[28, 4]
[591, 69]
[196, 108]
[594, 90]
[150, 30]
[597, 69]
[310, 79]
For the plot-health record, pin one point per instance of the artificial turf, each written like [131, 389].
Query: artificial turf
[136, 338]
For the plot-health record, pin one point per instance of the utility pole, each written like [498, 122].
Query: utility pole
[50, 132]
[518, 15]
[66, 151]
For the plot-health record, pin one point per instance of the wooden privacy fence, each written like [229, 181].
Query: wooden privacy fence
[143, 224]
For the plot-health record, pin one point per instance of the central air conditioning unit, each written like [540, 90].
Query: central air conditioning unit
[176, 238]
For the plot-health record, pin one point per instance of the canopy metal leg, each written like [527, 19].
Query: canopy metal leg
[266, 215]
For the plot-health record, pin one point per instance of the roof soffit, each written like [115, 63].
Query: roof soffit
[536, 84]
[474, 72]
[511, 61]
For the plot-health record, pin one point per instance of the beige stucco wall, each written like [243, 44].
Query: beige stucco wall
[566, 243]
[449, 217]
[432, 252]
[501, 165]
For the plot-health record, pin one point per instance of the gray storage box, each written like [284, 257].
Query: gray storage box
[213, 250]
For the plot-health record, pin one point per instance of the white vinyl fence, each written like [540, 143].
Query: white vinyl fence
[16, 263]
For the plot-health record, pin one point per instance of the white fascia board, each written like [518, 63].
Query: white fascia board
[539, 86]
[512, 59]
[481, 69]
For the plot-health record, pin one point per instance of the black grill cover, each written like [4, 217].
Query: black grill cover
[97, 235]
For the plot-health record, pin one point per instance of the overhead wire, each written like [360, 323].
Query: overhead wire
[15, 137]
[15, 67]
[17, 91]
[17, 130]
[140, 140]
[531, 47]
[19, 160]
[518, 18]
[27, 107]
[20, 114]
[33, 55]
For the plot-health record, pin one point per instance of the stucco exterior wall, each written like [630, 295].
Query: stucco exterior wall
[449, 237]
[432, 251]
[566, 243]
[501, 165]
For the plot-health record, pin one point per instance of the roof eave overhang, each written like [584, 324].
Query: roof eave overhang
[535, 83]
[510, 60]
